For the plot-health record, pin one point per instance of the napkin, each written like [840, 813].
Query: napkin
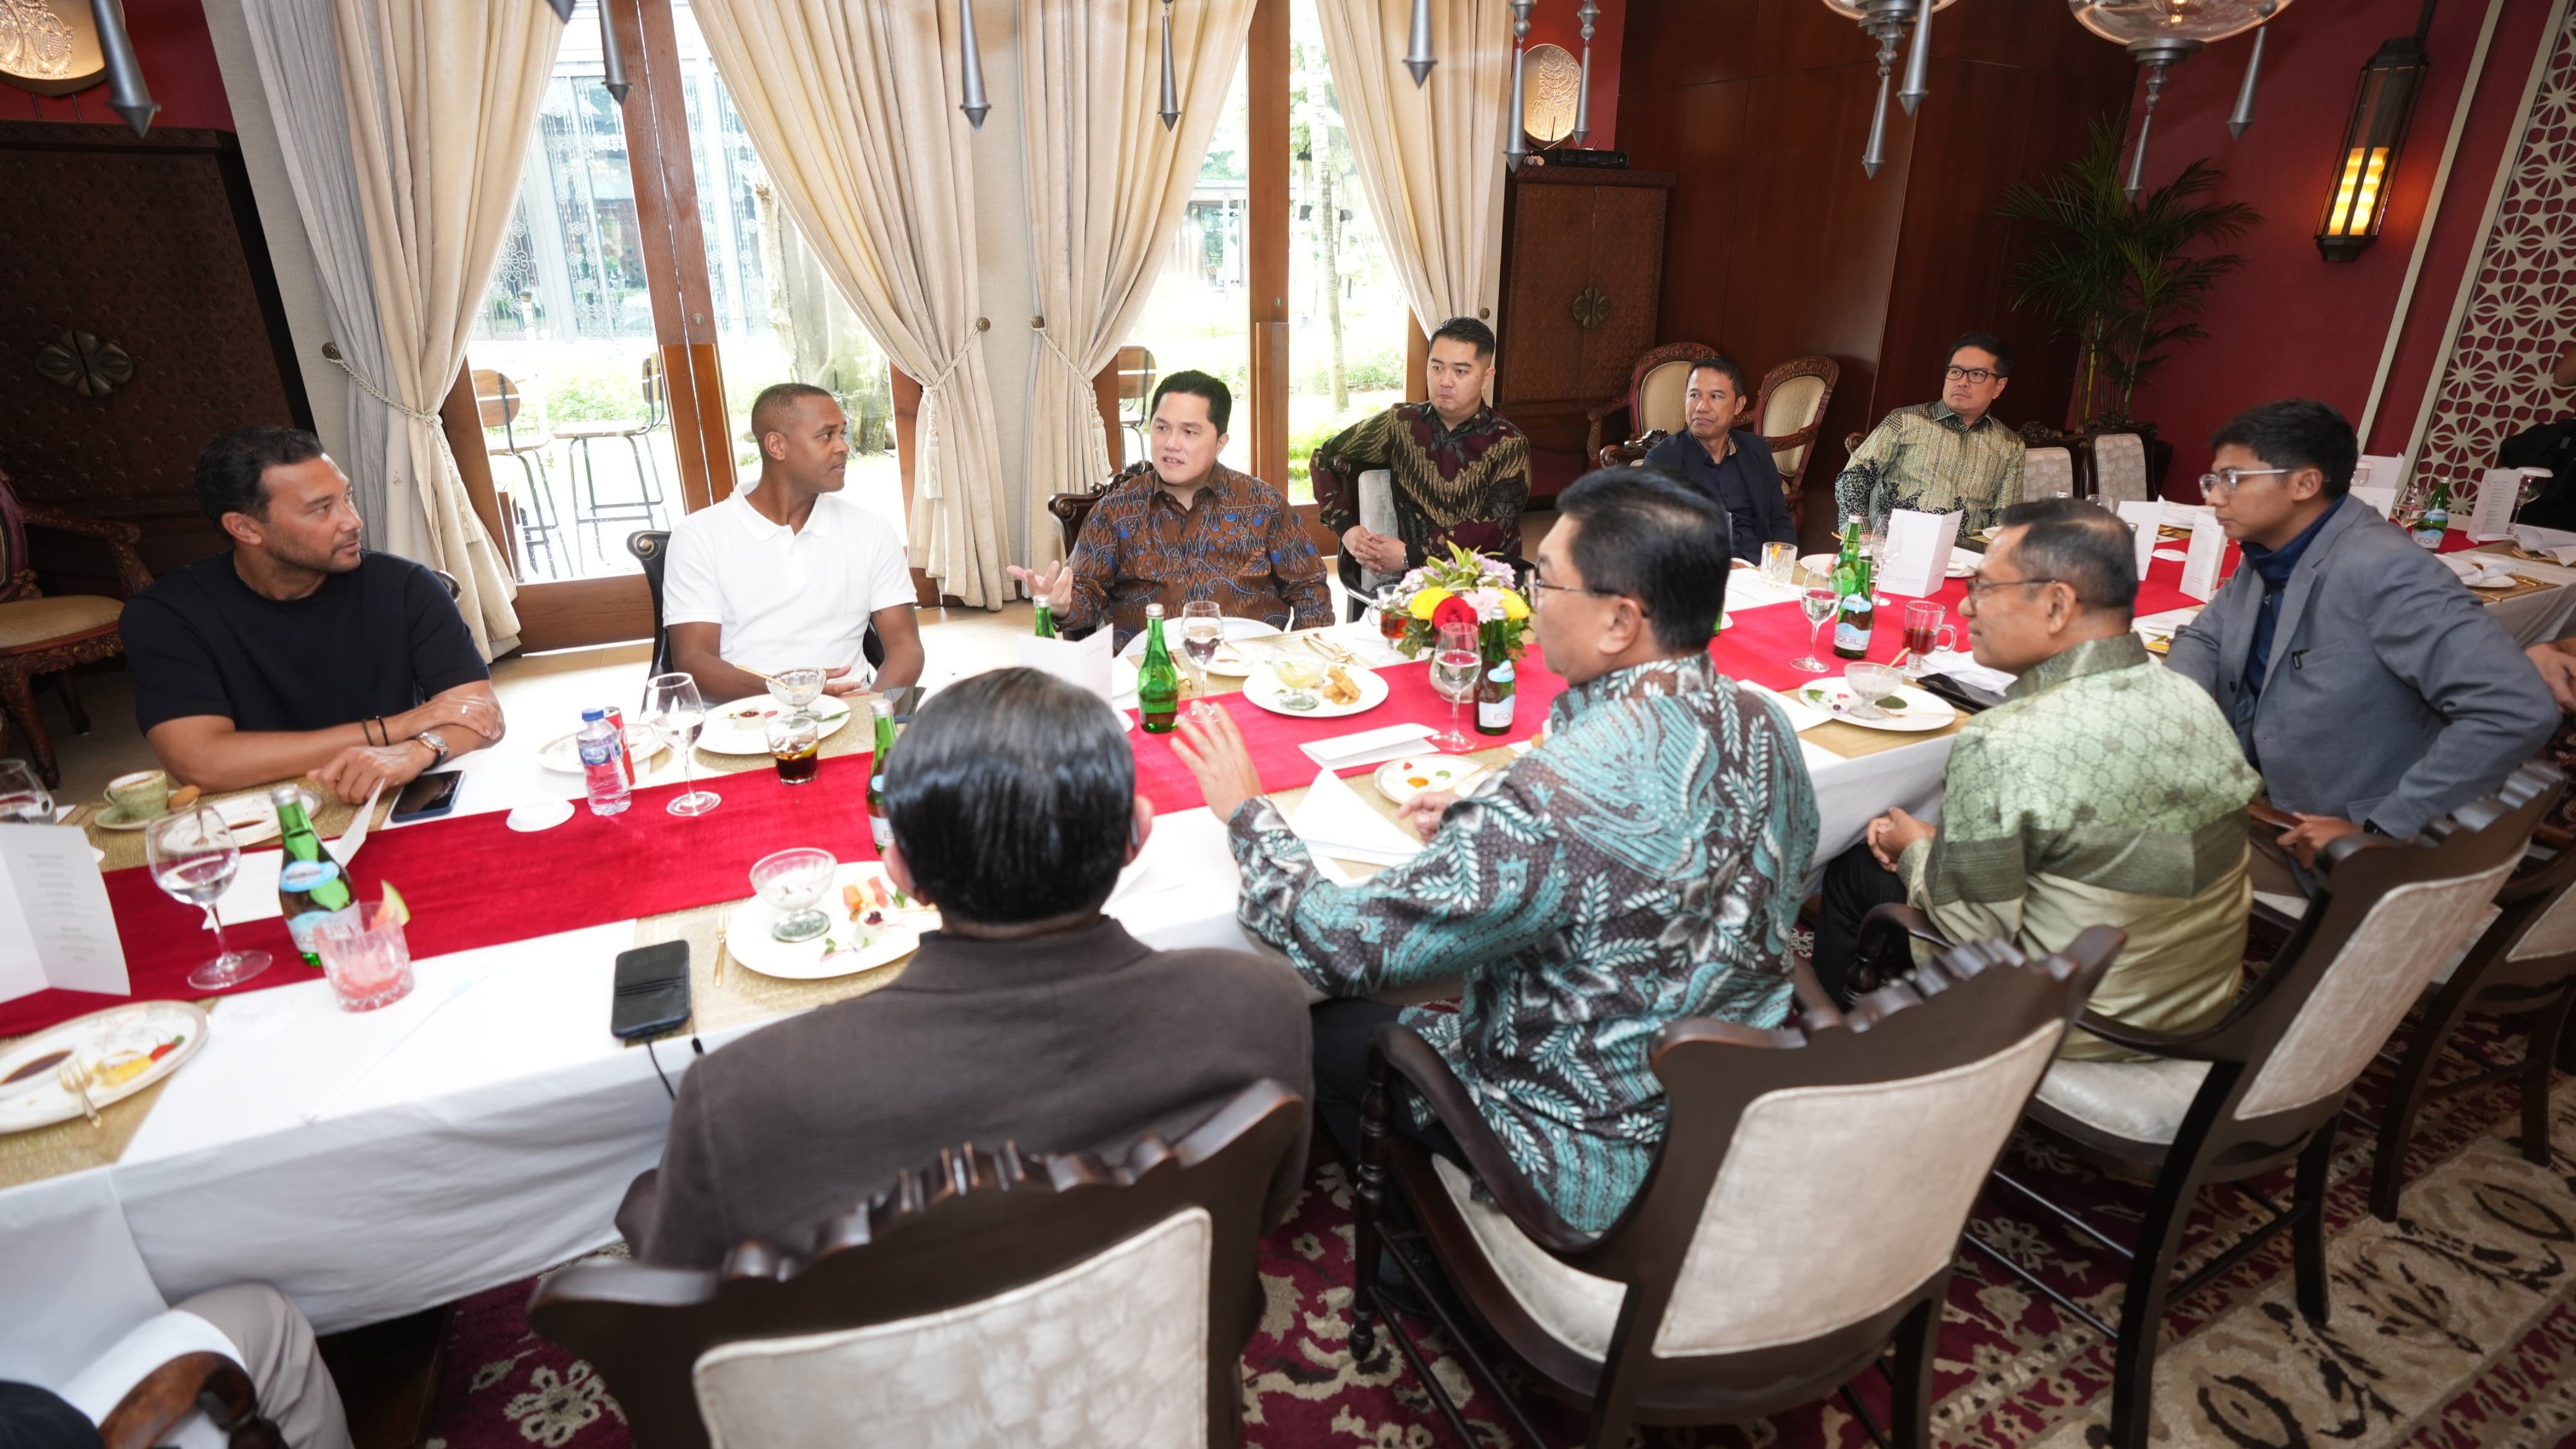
[2480, 570]
[2558, 543]
[1333, 820]
[1368, 747]
[1802, 715]
[1362, 638]
[1964, 668]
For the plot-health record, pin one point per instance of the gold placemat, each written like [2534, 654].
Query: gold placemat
[76, 1146]
[744, 995]
[1852, 741]
[125, 847]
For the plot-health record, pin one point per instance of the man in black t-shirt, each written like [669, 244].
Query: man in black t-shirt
[298, 653]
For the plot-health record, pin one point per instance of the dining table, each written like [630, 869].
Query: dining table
[483, 1128]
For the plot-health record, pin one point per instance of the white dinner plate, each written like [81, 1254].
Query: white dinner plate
[1262, 688]
[1401, 780]
[1921, 711]
[742, 727]
[850, 947]
[642, 746]
[1234, 629]
[1959, 566]
[38, 1099]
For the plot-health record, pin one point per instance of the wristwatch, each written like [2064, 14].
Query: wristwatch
[435, 741]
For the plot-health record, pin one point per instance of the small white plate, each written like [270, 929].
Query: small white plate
[642, 746]
[1401, 780]
[742, 727]
[38, 1099]
[1262, 688]
[251, 818]
[531, 816]
[1234, 629]
[853, 946]
[1922, 712]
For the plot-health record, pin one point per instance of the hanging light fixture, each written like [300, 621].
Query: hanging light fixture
[2241, 120]
[563, 10]
[2366, 167]
[970, 64]
[2161, 34]
[1516, 150]
[1171, 111]
[1885, 21]
[127, 95]
[612, 64]
[1417, 51]
[1583, 87]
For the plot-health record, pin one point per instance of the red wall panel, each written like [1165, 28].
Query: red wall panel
[1554, 21]
[178, 58]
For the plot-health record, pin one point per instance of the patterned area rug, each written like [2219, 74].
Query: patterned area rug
[2451, 1328]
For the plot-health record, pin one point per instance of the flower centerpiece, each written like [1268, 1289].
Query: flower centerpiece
[1464, 588]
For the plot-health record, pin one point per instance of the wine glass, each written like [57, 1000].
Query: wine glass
[1819, 601]
[193, 858]
[1455, 666]
[23, 797]
[1202, 630]
[673, 710]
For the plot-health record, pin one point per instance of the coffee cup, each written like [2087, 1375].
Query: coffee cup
[142, 795]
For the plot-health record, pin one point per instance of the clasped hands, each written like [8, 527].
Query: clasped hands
[1375, 552]
[1889, 834]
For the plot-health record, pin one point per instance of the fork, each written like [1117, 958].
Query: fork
[724, 923]
[76, 1077]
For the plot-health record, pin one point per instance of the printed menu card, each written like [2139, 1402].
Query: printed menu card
[55, 926]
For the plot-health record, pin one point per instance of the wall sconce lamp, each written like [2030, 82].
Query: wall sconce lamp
[2366, 166]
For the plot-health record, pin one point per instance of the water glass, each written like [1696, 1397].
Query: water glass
[23, 797]
[368, 966]
[1455, 667]
[1780, 563]
[796, 745]
[193, 857]
[673, 710]
[1819, 602]
[1202, 631]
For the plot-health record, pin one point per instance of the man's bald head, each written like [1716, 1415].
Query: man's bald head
[804, 439]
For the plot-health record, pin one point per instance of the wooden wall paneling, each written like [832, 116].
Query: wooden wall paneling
[578, 612]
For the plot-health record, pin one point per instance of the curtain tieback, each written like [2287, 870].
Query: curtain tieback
[331, 350]
[956, 359]
[1038, 325]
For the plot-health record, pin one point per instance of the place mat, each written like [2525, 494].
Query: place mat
[1853, 741]
[2523, 587]
[745, 996]
[76, 1146]
[124, 848]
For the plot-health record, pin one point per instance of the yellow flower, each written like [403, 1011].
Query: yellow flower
[1515, 608]
[1428, 600]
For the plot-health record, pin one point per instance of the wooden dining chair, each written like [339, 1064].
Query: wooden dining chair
[1789, 412]
[1657, 384]
[2047, 472]
[1125, 1290]
[2262, 1089]
[1802, 1212]
[42, 635]
[1073, 510]
[166, 1396]
[2120, 468]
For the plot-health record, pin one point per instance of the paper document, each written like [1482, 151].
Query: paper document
[2207, 554]
[1917, 552]
[1082, 662]
[55, 926]
[2492, 518]
[2143, 520]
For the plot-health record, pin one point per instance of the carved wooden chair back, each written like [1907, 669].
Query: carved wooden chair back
[1791, 409]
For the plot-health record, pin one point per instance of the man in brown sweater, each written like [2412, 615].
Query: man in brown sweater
[1028, 1017]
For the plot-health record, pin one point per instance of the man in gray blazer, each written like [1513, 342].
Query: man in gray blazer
[2371, 689]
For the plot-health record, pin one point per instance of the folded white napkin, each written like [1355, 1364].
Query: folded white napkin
[1361, 637]
[1965, 669]
[1333, 820]
[2478, 568]
[2558, 543]
[1802, 715]
[1368, 747]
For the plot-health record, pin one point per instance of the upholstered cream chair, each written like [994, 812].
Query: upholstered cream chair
[2119, 468]
[2264, 1087]
[2047, 472]
[1803, 1210]
[1788, 412]
[1656, 396]
[993, 1298]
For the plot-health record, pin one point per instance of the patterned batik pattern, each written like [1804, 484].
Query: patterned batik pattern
[1465, 485]
[1922, 457]
[1639, 867]
[1238, 544]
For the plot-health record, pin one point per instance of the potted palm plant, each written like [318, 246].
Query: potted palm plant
[2125, 276]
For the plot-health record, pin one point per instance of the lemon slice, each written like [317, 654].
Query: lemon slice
[394, 912]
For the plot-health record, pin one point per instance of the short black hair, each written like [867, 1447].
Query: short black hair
[1717, 362]
[1468, 330]
[1012, 796]
[1986, 342]
[230, 469]
[777, 398]
[1197, 384]
[1657, 540]
[2081, 545]
[2296, 433]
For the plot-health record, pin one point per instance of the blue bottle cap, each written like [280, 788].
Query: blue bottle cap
[589, 715]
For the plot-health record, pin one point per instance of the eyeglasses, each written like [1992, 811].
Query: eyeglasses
[2222, 484]
[1544, 587]
[1978, 375]
[1979, 588]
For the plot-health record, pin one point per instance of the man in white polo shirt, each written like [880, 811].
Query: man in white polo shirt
[791, 574]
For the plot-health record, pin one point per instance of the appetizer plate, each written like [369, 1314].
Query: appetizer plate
[642, 745]
[1914, 712]
[1401, 780]
[1263, 689]
[742, 727]
[854, 944]
[112, 1042]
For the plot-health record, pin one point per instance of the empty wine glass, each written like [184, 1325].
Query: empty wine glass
[673, 710]
[1202, 631]
[23, 796]
[193, 857]
[1819, 601]
[1455, 666]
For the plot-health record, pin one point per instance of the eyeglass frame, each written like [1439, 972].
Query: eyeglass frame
[1976, 586]
[1977, 375]
[1538, 583]
[2225, 481]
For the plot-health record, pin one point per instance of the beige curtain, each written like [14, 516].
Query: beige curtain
[1431, 158]
[852, 105]
[1106, 186]
[440, 95]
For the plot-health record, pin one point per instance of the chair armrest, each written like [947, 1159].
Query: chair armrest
[2183, 1046]
[2261, 812]
[1398, 1050]
[120, 539]
[192, 1381]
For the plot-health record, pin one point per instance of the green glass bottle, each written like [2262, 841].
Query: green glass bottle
[880, 829]
[2437, 515]
[1046, 620]
[1855, 615]
[1495, 687]
[1158, 683]
[310, 886]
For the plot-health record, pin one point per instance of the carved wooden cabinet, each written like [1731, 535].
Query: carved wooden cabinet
[1583, 271]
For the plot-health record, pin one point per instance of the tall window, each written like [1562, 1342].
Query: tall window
[1347, 316]
[1196, 317]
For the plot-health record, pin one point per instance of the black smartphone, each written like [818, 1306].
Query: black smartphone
[652, 990]
[425, 796]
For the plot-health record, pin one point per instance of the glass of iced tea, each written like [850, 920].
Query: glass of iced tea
[1925, 632]
[796, 745]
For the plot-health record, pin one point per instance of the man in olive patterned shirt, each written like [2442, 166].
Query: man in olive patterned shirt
[1951, 456]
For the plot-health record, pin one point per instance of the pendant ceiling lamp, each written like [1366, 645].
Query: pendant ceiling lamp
[1583, 86]
[1417, 50]
[2160, 34]
[1886, 22]
[612, 65]
[970, 66]
[1171, 107]
[1516, 149]
[127, 95]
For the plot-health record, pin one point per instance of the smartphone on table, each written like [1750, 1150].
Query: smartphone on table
[652, 990]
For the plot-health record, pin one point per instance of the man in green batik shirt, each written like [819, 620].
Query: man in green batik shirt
[2097, 794]
[1951, 456]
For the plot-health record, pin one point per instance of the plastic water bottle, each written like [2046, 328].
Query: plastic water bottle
[603, 766]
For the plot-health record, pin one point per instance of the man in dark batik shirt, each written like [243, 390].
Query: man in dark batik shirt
[1185, 527]
[1461, 474]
